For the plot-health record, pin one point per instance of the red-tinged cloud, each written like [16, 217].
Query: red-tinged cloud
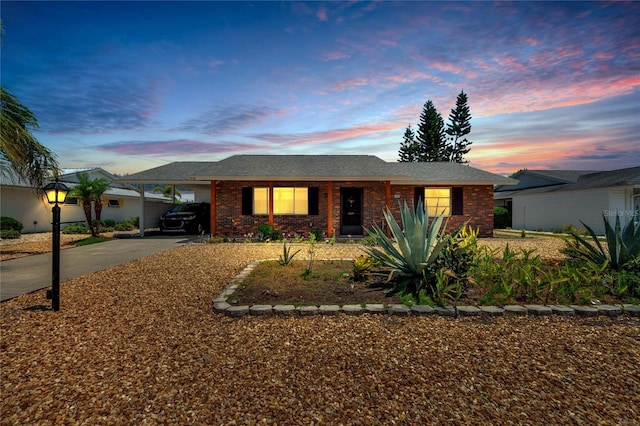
[333, 135]
[175, 148]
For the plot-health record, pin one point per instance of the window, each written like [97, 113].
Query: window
[113, 203]
[438, 201]
[286, 200]
[449, 200]
[260, 200]
[71, 201]
[290, 201]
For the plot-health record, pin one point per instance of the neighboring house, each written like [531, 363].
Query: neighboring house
[24, 203]
[551, 199]
[335, 194]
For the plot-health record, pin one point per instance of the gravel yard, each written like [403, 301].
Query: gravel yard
[140, 344]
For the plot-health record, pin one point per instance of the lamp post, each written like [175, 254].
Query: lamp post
[56, 193]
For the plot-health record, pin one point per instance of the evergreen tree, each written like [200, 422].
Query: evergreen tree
[458, 127]
[431, 137]
[409, 149]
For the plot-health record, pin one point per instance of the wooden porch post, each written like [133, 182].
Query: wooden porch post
[212, 220]
[387, 200]
[330, 209]
[271, 203]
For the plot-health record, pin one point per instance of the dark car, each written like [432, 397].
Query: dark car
[192, 218]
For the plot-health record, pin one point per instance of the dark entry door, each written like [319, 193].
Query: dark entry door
[351, 211]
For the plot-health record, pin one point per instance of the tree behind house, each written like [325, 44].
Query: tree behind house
[431, 137]
[458, 127]
[433, 142]
[409, 149]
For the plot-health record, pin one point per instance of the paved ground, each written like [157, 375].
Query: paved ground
[28, 274]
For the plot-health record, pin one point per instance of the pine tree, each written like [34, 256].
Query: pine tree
[458, 127]
[431, 137]
[409, 149]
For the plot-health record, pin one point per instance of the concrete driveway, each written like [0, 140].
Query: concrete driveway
[27, 274]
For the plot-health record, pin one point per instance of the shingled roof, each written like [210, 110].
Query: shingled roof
[586, 180]
[317, 167]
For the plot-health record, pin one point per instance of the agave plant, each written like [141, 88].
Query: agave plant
[418, 245]
[623, 245]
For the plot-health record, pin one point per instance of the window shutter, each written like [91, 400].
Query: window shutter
[457, 202]
[418, 195]
[314, 200]
[247, 201]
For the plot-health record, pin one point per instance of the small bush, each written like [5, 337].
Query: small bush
[109, 223]
[79, 228]
[9, 234]
[267, 232]
[501, 218]
[124, 226]
[9, 223]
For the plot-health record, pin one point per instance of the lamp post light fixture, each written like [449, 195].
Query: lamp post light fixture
[56, 193]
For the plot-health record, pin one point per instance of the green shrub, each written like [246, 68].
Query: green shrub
[109, 223]
[459, 253]
[418, 247]
[124, 226]
[501, 218]
[9, 234]
[9, 223]
[368, 240]
[317, 233]
[78, 228]
[134, 221]
[267, 232]
[623, 245]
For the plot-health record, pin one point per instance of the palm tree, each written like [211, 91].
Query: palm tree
[100, 186]
[21, 155]
[168, 191]
[90, 191]
[84, 192]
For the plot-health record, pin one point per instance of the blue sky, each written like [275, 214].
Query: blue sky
[128, 86]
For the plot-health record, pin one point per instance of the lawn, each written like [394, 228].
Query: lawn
[330, 282]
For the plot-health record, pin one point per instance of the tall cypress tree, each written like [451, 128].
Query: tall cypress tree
[431, 137]
[409, 150]
[458, 127]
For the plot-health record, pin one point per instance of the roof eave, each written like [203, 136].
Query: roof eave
[294, 178]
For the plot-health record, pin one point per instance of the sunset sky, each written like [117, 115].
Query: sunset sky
[129, 86]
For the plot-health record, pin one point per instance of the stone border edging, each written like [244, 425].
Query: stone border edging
[221, 305]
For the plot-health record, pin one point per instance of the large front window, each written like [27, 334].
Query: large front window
[285, 201]
[438, 201]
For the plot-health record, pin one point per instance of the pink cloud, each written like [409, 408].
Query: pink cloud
[335, 56]
[321, 13]
[177, 148]
[333, 135]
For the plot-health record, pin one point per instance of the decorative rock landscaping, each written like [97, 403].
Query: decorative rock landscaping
[221, 305]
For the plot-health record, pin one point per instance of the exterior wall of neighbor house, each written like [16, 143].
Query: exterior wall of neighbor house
[34, 212]
[553, 210]
[478, 208]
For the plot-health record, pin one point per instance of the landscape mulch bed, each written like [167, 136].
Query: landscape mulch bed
[140, 344]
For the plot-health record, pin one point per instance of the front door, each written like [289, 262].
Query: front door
[351, 211]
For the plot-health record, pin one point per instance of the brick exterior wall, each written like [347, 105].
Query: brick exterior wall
[477, 202]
